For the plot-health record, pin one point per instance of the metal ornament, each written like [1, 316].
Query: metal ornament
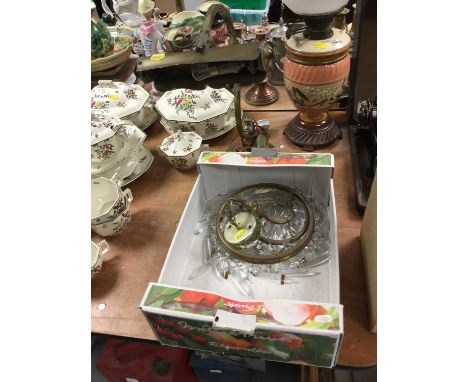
[256, 214]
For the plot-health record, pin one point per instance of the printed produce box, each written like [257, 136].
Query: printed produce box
[206, 299]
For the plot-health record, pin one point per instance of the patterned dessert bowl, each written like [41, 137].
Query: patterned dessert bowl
[206, 112]
[115, 226]
[182, 149]
[107, 199]
[97, 252]
[125, 198]
[130, 102]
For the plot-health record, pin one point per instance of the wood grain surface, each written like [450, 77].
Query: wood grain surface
[137, 255]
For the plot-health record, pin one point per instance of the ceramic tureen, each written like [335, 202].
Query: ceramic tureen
[130, 102]
[208, 112]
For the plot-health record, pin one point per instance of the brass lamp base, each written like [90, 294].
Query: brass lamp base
[312, 132]
[262, 94]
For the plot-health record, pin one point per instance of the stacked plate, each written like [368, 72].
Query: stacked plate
[117, 149]
[209, 112]
[130, 102]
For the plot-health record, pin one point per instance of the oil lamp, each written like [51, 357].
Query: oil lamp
[316, 69]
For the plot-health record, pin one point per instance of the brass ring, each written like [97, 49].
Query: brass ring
[244, 255]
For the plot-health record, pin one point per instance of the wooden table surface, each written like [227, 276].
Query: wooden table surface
[137, 255]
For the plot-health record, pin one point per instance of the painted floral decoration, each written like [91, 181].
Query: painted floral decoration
[179, 162]
[216, 97]
[131, 94]
[184, 102]
[100, 104]
[95, 270]
[211, 128]
[104, 151]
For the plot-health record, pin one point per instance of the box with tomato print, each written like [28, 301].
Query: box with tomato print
[300, 322]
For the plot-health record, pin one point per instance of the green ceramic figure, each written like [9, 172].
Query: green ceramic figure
[101, 41]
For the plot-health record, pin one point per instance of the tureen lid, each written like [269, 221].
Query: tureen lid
[117, 98]
[306, 51]
[186, 105]
[103, 126]
[181, 143]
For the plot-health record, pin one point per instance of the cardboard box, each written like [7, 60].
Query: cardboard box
[369, 253]
[300, 323]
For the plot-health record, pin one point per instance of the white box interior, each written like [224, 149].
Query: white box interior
[185, 252]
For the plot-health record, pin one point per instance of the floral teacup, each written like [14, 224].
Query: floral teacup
[97, 251]
[105, 193]
[115, 226]
[182, 149]
[125, 198]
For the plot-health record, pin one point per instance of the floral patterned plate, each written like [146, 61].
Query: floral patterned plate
[186, 105]
[135, 138]
[144, 161]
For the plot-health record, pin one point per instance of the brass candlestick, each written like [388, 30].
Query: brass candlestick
[261, 94]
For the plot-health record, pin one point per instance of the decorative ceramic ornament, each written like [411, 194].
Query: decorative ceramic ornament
[126, 10]
[315, 72]
[184, 24]
[130, 102]
[102, 43]
[110, 47]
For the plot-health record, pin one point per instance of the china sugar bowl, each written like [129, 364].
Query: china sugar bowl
[97, 252]
[115, 226]
[182, 149]
[130, 102]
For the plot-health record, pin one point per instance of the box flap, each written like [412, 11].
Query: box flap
[309, 172]
[295, 315]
